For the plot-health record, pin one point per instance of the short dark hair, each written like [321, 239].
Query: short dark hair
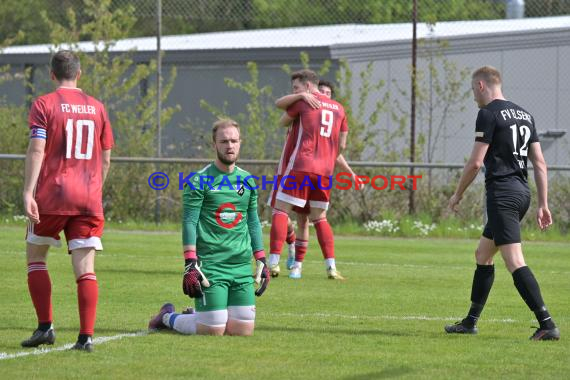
[328, 84]
[65, 65]
[224, 123]
[305, 76]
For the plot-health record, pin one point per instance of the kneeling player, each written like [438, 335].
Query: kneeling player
[221, 230]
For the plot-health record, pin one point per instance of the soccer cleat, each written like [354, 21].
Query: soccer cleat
[546, 334]
[333, 274]
[274, 270]
[87, 346]
[156, 321]
[460, 328]
[291, 256]
[40, 337]
[295, 272]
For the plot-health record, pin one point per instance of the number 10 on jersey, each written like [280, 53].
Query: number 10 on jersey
[76, 128]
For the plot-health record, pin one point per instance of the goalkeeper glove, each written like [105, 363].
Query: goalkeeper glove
[262, 275]
[193, 279]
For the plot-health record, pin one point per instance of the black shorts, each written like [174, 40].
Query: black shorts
[508, 200]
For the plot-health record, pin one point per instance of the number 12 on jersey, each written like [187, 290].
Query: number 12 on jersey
[524, 132]
[327, 121]
[78, 127]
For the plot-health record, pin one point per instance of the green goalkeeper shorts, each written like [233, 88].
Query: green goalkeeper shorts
[230, 285]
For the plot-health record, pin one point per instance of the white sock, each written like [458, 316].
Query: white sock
[183, 323]
[292, 249]
[274, 259]
[330, 263]
[298, 264]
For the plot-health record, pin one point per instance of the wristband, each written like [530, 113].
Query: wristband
[259, 254]
[190, 254]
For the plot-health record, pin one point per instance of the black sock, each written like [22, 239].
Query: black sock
[528, 288]
[82, 338]
[44, 326]
[482, 283]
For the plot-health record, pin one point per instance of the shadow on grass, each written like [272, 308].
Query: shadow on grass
[331, 330]
[388, 373]
[14, 345]
[98, 332]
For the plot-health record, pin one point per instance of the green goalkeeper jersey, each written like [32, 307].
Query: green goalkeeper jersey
[220, 216]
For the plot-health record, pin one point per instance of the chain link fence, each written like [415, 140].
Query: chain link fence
[364, 47]
[203, 16]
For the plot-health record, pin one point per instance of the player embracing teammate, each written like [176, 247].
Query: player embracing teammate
[316, 137]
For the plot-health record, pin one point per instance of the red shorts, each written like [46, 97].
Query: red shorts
[273, 195]
[302, 189]
[81, 231]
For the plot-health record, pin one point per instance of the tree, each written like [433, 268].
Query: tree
[116, 80]
[260, 122]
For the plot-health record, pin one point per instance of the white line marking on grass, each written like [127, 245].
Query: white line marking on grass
[41, 351]
[383, 317]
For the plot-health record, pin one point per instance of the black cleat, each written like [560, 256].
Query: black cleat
[546, 334]
[460, 328]
[87, 346]
[40, 337]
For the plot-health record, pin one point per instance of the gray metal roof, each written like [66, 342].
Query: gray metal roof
[319, 36]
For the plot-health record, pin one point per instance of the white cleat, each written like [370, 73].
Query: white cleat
[295, 272]
[333, 274]
[274, 270]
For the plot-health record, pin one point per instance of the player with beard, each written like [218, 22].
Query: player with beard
[220, 233]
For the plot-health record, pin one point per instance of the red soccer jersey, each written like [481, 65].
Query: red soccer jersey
[288, 148]
[77, 129]
[316, 144]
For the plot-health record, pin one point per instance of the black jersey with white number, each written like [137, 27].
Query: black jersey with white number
[509, 130]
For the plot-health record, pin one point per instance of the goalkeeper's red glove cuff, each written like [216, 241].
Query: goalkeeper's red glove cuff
[190, 254]
[259, 254]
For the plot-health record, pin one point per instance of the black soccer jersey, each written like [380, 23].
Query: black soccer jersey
[509, 130]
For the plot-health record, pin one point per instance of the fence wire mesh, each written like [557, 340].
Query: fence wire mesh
[365, 52]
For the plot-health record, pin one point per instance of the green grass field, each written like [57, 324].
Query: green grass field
[385, 321]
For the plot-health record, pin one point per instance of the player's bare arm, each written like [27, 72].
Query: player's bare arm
[34, 159]
[342, 141]
[287, 100]
[345, 167]
[543, 216]
[285, 120]
[106, 163]
[470, 171]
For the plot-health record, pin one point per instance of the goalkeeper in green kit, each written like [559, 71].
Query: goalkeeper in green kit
[220, 233]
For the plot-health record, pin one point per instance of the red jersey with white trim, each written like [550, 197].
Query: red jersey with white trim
[289, 148]
[317, 139]
[77, 129]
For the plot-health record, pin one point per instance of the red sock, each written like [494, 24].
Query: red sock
[278, 232]
[87, 294]
[325, 237]
[301, 247]
[291, 237]
[39, 285]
